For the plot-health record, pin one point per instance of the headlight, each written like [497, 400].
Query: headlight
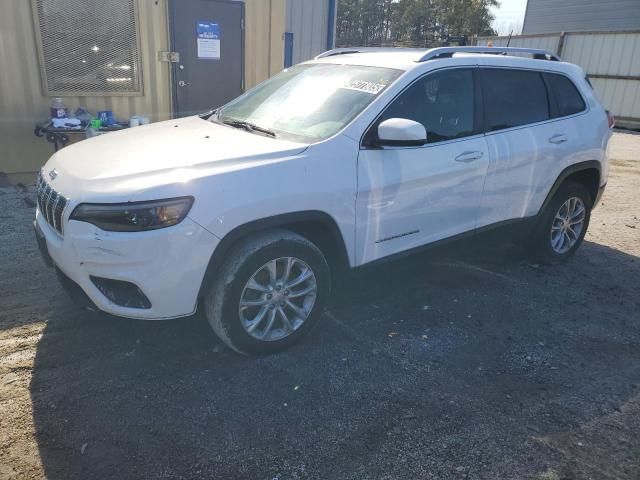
[134, 216]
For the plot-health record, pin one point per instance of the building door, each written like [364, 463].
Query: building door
[209, 37]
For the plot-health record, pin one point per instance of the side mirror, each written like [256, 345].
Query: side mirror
[401, 132]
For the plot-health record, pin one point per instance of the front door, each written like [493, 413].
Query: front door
[209, 37]
[411, 196]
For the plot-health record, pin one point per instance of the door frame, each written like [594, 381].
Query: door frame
[478, 105]
[173, 87]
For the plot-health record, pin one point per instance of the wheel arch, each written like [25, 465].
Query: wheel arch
[588, 173]
[317, 226]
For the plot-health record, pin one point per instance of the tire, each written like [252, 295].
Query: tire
[547, 246]
[251, 260]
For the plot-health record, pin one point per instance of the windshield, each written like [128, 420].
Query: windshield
[309, 102]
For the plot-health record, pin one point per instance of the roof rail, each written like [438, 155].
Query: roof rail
[348, 50]
[444, 52]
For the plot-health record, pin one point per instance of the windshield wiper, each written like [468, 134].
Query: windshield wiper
[207, 115]
[250, 127]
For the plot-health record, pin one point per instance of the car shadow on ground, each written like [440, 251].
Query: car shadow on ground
[466, 360]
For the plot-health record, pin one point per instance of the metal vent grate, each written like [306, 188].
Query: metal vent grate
[89, 47]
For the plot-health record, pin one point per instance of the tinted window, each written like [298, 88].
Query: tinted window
[442, 101]
[513, 98]
[567, 97]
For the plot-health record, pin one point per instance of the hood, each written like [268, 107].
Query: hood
[165, 150]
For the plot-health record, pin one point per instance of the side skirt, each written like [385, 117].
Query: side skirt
[516, 229]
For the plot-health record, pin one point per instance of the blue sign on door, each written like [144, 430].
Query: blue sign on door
[208, 38]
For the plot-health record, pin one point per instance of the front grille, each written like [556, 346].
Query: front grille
[51, 204]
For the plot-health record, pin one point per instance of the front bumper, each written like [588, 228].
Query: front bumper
[167, 265]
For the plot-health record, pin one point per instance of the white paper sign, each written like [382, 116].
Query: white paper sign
[208, 38]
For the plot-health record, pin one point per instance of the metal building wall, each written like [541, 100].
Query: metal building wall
[264, 43]
[610, 59]
[545, 42]
[308, 20]
[581, 15]
[22, 102]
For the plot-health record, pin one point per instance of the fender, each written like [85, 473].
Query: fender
[298, 222]
[566, 173]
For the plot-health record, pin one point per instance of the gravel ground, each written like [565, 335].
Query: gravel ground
[468, 362]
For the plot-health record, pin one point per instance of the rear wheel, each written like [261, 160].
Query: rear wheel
[269, 293]
[563, 224]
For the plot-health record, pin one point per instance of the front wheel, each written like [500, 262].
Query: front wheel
[563, 224]
[269, 293]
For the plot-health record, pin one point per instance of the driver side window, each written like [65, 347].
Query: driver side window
[441, 101]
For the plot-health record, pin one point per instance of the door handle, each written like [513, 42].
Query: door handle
[468, 157]
[558, 139]
[182, 83]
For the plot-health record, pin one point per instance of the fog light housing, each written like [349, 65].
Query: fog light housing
[123, 294]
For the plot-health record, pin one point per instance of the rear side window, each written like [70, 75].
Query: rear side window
[513, 98]
[568, 99]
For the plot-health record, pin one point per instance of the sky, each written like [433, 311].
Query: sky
[509, 16]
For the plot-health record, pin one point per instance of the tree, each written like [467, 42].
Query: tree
[363, 22]
[467, 17]
[418, 23]
[414, 23]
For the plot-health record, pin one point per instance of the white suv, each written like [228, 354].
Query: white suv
[353, 157]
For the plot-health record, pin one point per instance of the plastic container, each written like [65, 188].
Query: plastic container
[58, 108]
[83, 115]
[106, 116]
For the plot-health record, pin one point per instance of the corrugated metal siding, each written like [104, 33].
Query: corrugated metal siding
[23, 103]
[610, 54]
[308, 20]
[544, 16]
[264, 43]
[605, 53]
[545, 42]
[622, 97]
[599, 54]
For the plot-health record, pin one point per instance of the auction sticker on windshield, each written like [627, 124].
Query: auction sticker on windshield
[364, 86]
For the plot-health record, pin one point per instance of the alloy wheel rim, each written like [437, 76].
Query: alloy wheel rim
[277, 299]
[567, 225]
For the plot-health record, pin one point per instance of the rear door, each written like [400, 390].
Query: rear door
[410, 196]
[526, 149]
[571, 125]
[209, 36]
